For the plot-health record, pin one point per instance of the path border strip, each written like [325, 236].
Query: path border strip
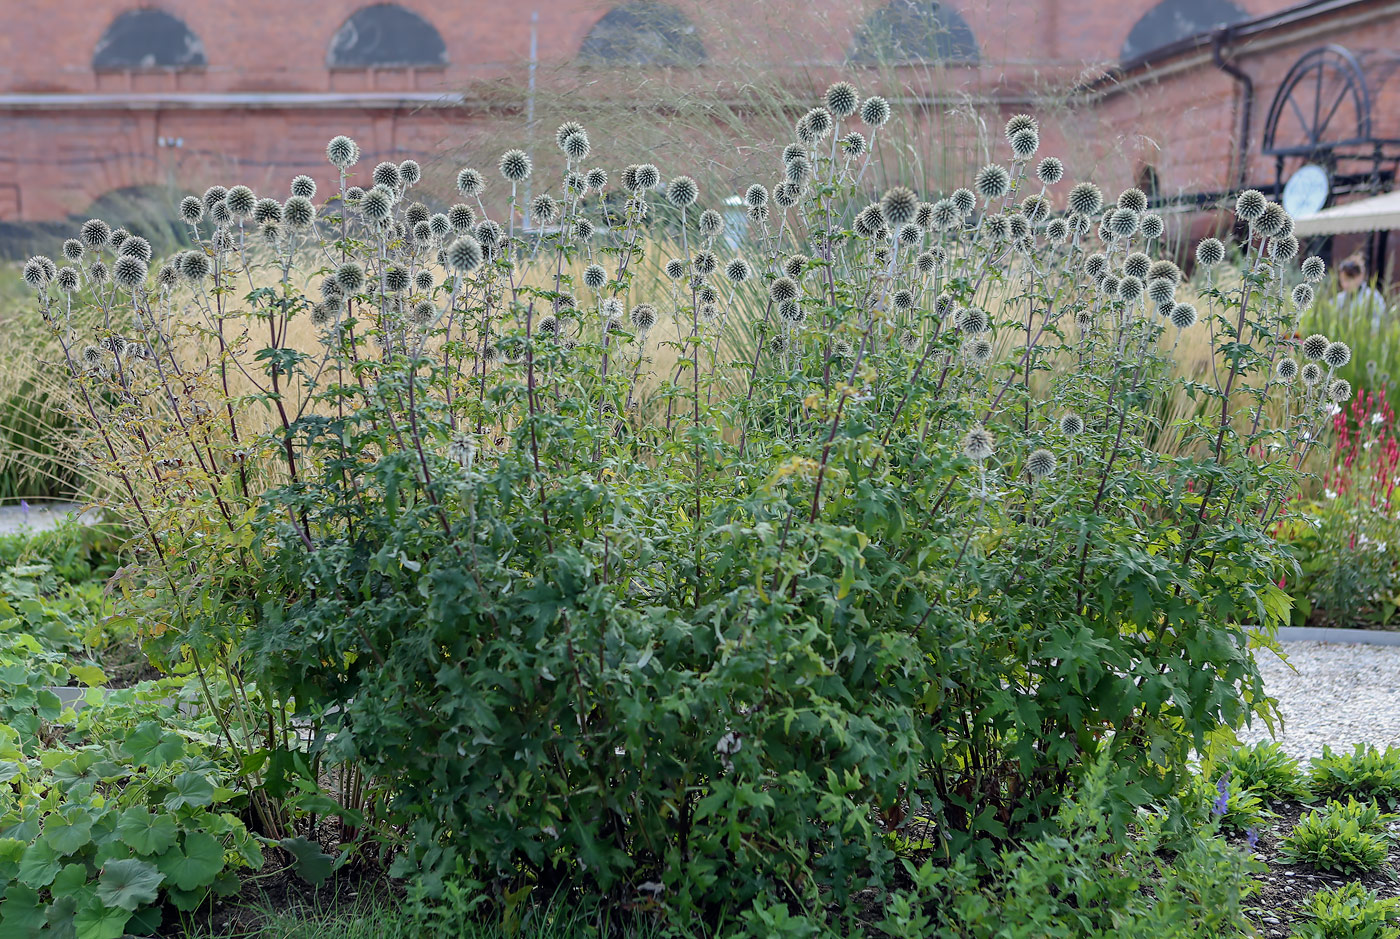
[1365, 637]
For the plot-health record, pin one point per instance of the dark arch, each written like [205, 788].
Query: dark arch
[914, 31]
[642, 32]
[1171, 20]
[140, 39]
[386, 35]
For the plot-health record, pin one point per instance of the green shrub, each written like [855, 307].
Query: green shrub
[1232, 802]
[1350, 838]
[1350, 911]
[703, 586]
[1267, 770]
[1364, 773]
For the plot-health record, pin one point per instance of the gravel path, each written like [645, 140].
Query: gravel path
[39, 515]
[1332, 694]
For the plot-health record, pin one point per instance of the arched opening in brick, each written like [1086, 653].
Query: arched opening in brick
[908, 31]
[1149, 181]
[386, 35]
[643, 32]
[147, 39]
[1171, 20]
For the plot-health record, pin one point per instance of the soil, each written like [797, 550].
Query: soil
[1285, 888]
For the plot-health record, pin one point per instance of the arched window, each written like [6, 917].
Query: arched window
[140, 39]
[1171, 20]
[642, 32]
[1149, 181]
[914, 31]
[386, 35]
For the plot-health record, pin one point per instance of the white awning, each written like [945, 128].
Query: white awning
[1378, 213]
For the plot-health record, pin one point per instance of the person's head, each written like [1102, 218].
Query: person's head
[1351, 273]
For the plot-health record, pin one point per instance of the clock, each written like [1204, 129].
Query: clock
[1306, 191]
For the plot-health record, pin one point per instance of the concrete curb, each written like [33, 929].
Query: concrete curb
[1365, 637]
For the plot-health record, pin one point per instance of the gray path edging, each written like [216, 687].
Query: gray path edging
[1365, 637]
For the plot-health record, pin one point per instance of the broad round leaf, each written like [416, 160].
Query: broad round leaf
[129, 884]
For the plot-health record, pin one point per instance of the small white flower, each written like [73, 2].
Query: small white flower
[1333, 410]
[1330, 493]
[1377, 418]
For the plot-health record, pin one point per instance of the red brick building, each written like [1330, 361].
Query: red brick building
[111, 95]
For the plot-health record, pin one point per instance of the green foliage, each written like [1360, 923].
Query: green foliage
[1364, 773]
[1350, 838]
[1267, 770]
[1350, 911]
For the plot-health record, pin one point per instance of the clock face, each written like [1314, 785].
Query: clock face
[1306, 191]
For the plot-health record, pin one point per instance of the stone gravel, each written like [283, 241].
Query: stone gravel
[1331, 694]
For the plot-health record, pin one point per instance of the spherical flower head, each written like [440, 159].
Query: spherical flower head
[910, 235]
[566, 130]
[1085, 198]
[304, 186]
[410, 172]
[682, 192]
[118, 238]
[978, 444]
[964, 200]
[1040, 464]
[1019, 123]
[819, 121]
[1286, 369]
[737, 270]
[596, 179]
[1183, 316]
[973, 321]
[543, 209]
[98, 274]
[594, 276]
[464, 255]
[705, 262]
[1019, 226]
[1036, 209]
[1210, 252]
[755, 196]
[423, 281]
[66, 279]
[1250, 205]
[1077, 223]
[240, 202]
[195, 266]
[898, 205]
[675, 268]
[992, 181]
[1057, 231]
[1137, 265]
[377, 205]
[1303, 296]
[649, 177]
[95, 233]
[977, 351]
[786, 194]
[611, 308]
[583, 229]
[191, 210]
[1161, 290]
[1270, 221]
[1050, 170]
[1152, 226]
[797, 171]
[1129, 289]
[1339, 391]
[547, 327]
[460, 219]
[1095, 265]
[795, 266]
[1133, 198]
[267, 210]
[1283, 248]
[136, 247]
[902, 299]
[643, 317]
[1336, 355]
[342, 152]
[470, 182]
[782, 289]
[1311, 374]
[576, 146]
[515, 166]
[1071, 425]
[387, 174]
[874, 111]
[1315, 346]
[777, 343]
[853, 143]
[1314, 269]
[1109, 284]
[796, 151]
[36, 273]
[1024, 144]
[842, 99]
[1124, 223]
[129, 272]
[350, 276]
[396, 279]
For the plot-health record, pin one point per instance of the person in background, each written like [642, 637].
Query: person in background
[1357, 297]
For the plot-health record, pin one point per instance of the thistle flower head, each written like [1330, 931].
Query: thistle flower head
[1041, 463]
[1152, 225]
[978, 444]
[643, 317]
[464, 255]
[1124, 223]
[1283, 248]
[576, 146]
[898, 205]
[95, 233]
[92, 356]
[842, 99]
[797, 171]
[1071, 424]
[299, 212]
[583, 229]
[596, 178]
[819, 122]
[997, 227]
[136, 247]
[711, 223]
[304, 186]
[778, 343]
[1137, 265]
[1315, 346]
[1210, 252]
[781, 289]
[1095, 265]
[1134, 199]
[1311, 374]
[1183, 316]
[66, 279]
[267, 210]
[129, 272]
[342, 152]
[902, 299]
[423, 281]
[1250, 205]
[353, 195]
[1057, 231]
[853, 143]
[377, 205]
[973, 321]
[396, 278]
[1303, 296]
[964, 200]
[1313, 269]
[470, 182]
[387, 174]
[240, 202]
[791, 312]
[594, 276]
[874, 111]
[410, 172]
[515, 166]
[1336, 355]
[1286, 369]
[543, 209]
[1161, 290]
[704, 262]
[992, 181]
[548, 327]
[786, 194]
[1109, 284]
[1024, 144]
[1085, 198]
[195, 266]
[1339, 391]
[977, 350]
[98, 274]
[1271, 221]
[1018, 225]
[755, 196]
[1036, 208]
[1050, 170]
[351, 277]
[737, 270]
[191, 210]
[682, 192]
[488, 233]
[910, 235]
[648, 176]
[1021, 122]
[423, 313]
[675, 268]
[1129, 289]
